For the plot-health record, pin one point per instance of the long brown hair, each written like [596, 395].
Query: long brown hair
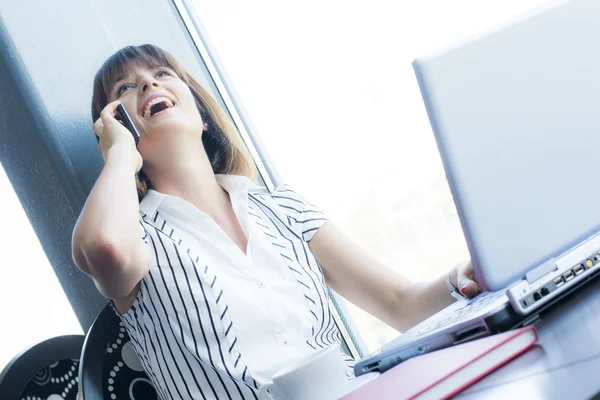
[225, 149]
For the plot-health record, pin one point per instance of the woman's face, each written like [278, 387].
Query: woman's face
[160, 105]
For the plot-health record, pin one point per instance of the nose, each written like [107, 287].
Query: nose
[146, 82]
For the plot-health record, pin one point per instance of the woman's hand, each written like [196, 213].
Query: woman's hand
[111, 132]
[463, 278]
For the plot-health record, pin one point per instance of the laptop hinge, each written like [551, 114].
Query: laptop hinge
[541, 270]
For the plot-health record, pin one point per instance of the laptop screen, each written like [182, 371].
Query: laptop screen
[516, 115]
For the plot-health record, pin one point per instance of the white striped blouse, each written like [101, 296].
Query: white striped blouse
[211, 322]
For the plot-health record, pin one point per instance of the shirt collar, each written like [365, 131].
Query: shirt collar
[233, 184]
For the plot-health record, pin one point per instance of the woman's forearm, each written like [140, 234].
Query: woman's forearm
[421, 300]
[107, 228]
[376, 288]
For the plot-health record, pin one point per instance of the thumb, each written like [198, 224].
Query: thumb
[467, 287]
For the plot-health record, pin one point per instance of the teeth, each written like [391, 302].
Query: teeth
[155, 101]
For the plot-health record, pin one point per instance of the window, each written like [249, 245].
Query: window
[330, 90]
[34, 306]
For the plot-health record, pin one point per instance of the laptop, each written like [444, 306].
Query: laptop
[516, 117]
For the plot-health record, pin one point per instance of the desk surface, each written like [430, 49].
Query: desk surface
[566, 362]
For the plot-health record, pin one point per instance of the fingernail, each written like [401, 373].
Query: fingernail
[463, 290]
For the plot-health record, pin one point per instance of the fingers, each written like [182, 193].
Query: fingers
[106, 118]
[468, 288]
[465, 280]
[108, 113]
[98, 126]
[98, 123]
[468, 268]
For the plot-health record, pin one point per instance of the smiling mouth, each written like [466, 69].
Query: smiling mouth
[157, 105]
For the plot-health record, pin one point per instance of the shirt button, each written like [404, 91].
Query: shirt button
[261, 284]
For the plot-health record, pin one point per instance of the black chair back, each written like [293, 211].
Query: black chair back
[109, 368]
[45, 369]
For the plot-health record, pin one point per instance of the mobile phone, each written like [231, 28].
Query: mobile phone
[122, 116]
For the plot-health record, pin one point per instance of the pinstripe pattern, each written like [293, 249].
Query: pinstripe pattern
[181, 324]
[292, 238]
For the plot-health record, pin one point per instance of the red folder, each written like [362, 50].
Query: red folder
[444, 373]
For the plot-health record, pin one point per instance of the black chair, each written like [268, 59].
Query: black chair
[109, 368]
[45, 369]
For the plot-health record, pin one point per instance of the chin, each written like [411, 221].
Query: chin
[172, 132]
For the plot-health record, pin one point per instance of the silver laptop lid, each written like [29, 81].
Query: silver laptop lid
[516, 115]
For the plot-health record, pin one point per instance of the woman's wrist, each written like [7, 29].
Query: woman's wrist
[451, 285]
[452, 275]
[122, 152]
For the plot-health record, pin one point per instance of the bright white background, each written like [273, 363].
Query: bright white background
[33, 306]
[330, 88]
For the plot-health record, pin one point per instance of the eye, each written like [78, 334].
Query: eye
[160, 73]
[163, 72]
[123, 88]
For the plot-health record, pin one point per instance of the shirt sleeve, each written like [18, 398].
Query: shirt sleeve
[305, 217]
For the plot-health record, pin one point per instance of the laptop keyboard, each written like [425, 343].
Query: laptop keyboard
[468, 307]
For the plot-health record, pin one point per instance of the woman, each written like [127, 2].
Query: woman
[218, 283]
